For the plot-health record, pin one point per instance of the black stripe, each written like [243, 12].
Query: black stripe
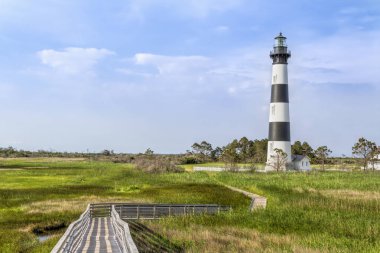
[279, 131]
[279, 93]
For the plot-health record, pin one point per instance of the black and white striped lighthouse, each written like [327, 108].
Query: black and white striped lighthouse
[279, 121]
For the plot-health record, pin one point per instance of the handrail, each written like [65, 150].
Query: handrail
[74, 234]
[158, 211]
[122, 233]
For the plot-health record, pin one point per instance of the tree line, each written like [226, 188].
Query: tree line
[255, 151]
[240, 150]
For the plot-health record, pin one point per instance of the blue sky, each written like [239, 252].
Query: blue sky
[128, 75]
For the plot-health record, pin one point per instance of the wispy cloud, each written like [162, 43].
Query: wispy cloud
[73, 60]
[173, 64]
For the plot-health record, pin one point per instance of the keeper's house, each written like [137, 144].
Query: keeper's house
[300, 162]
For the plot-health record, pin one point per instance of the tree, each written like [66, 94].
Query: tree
[297, 148]
[307, 150]
[259, 150]
[203, 149]
[243, 149]
[149, 152]
[216, 153]
[107, 152]
[304, 148]
[230, 155]
[321, 154]
[364, 149]
[279, 160]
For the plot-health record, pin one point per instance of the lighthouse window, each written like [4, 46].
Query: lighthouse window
[273, 109]
[274, 78]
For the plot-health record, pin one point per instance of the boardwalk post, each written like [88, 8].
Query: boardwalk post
[170, 209]
[154, 212]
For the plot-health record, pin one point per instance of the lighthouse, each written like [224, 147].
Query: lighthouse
[279, 120]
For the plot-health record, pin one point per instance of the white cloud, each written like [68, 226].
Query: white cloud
[173, 64]
[342, 58]
[73, 60]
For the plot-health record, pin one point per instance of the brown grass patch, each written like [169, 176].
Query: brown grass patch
[343, 194]
[351, 194]
[229, 239]
[79, 204]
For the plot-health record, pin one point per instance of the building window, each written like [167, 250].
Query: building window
[275, 78]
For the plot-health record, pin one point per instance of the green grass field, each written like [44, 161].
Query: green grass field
[306, 212]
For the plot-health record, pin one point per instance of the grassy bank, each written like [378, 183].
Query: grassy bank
[314, 212]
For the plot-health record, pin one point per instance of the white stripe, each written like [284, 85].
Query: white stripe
[279, 112]
[283, 145]
[280, 74]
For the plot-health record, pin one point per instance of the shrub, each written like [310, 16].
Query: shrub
[190, 160]
[157, 164]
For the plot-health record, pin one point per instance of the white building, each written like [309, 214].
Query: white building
[301, 162]
[376, 164]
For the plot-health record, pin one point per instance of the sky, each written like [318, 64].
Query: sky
[129, 75]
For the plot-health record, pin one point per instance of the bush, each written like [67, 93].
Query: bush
[190, 160]
[157, 165]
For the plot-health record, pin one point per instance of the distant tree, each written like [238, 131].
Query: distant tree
[365, 150]
[107, 152]
[307, 150]
[297, 148]
[304, 148]
[230, 154]
[279, 160]
[243, 149]
[259, 150]
[216, 153]
[203, 149]
[149, 152]
[321, 154]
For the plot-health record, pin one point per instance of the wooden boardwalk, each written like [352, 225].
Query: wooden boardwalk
[99, 237]
[103, 227]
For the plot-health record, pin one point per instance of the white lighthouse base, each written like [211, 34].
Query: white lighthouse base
[269, 167]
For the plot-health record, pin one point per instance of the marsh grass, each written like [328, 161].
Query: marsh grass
[306, 212]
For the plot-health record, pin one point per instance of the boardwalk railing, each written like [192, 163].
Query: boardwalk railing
[134, 211]
[122, 233]
[101, 210]
[74, 234]
[157, 211]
